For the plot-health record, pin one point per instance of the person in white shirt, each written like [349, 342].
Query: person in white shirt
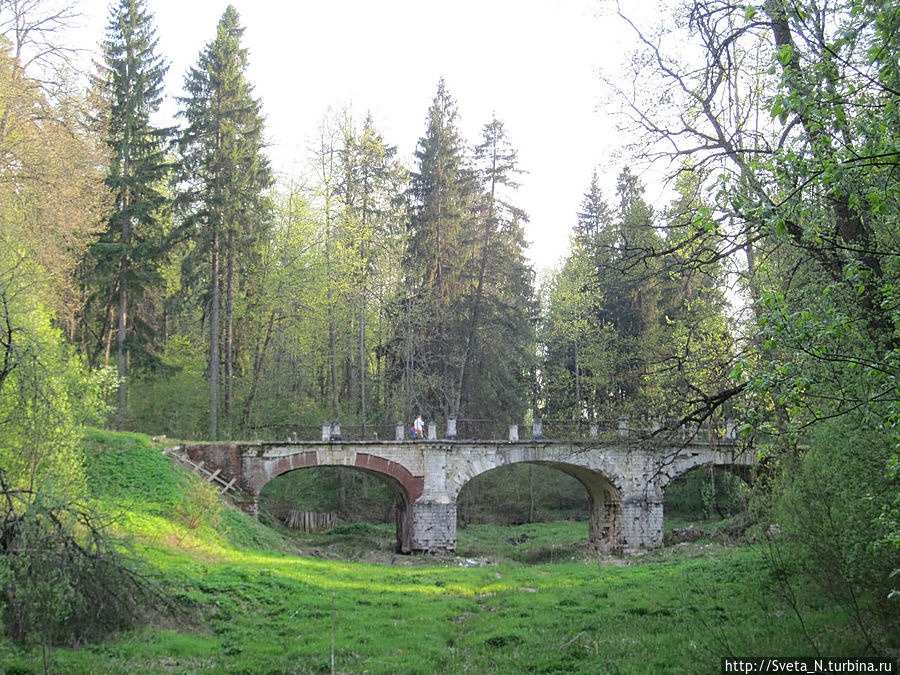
[419, 427]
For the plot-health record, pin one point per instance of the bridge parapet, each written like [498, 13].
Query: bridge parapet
[644, 426]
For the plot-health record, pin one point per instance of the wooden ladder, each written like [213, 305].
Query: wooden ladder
[225, 488]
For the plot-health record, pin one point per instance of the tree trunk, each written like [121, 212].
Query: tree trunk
[121, 362]
[332, 340]
[530, 493]
[850, 227]
[214, 301]
[261, 351]
[121, 356]
[362, 363]
[577, 378]
[214, 342]
[109, 330]
[462, 400]
[362, 308]
[342, 491]
[229, 331]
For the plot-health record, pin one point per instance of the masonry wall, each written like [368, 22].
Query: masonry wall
[225, 457]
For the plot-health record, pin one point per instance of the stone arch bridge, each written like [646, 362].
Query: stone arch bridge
[625, 476]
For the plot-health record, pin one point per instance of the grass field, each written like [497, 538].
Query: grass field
[527, 599]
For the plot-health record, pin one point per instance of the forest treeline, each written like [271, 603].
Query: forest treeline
[163, 279]
[232, 304]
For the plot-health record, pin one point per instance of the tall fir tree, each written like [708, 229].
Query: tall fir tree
[441, 202]
[441, 192]
[498, 309]
[574, 345]
[467, 335]
[604, 315]
[225, 176]
[123, 263]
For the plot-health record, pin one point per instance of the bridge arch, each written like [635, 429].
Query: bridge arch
[605, 495]
[403, 485]
[688, 501]
[732, 462]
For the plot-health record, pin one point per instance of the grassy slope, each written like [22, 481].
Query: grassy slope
[262, 609]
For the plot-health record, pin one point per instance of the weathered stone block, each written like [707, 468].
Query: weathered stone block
[433, 527]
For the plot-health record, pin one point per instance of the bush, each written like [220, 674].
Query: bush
[175, 401]
[63, 581]
[827, 509]
[201, 506]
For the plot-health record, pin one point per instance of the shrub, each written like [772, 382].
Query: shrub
[62, 579]
[201, 506]
[827, 511]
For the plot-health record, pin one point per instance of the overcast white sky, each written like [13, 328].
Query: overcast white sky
[533, 63]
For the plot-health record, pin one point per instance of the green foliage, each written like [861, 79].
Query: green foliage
[121, 272]
[175, 402]
[201, 505]
[44, 397]
[463, 335]
[629, 326]
[63, 578]
[791, 114]
[440, 190]
[702, 494]
[828, 509]
[60, 573]
[429, 352]
[44, 392]
[499, 358]
[52, 190]
[222, 196]
[889, 520]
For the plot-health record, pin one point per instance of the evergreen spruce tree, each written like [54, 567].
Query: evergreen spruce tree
[576, 350]
[594, 217]
[466, 337]
[441, 192]
[225, 176]
[123, 262]
[497, 312]
[605, 317]
[441, 202]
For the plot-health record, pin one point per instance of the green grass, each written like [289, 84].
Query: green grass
[561, 541]
[514, 600]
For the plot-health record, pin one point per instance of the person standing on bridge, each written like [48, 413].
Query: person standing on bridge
[419, 427]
